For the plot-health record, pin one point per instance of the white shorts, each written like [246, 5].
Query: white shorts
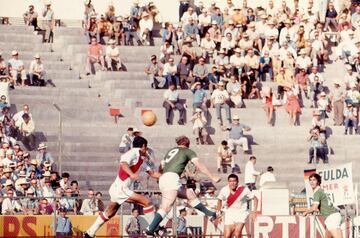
[333, 221]
[234, 216]
[120, 190]
[169, 181]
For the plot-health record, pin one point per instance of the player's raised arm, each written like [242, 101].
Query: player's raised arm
[203, 169]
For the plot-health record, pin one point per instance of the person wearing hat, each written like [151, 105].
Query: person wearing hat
[21, 185]
[146, 25]
[171, 103]
[112, 56]
[222, 59]
[30, 18]
[217, 17]
[118, 31]
[30, 204]
[43, 156]
[88, 12]
[63, 225]
[287, 30]
[9, 158]
[199, 127]
[233, 87]
[303, 62]
[199, 98]
[6, 175]
[37, 72]
[338, 98]
[92, 29]
[220, 98]
[350, 77]
[48, 21]
[236, 135]
[204, 22]
[16, 68]
[350, 118]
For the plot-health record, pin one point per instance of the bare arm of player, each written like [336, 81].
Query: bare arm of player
[253, 212]
[202, 168]
[219, 206]
[154, 174]
[126, 168]
[313, 208]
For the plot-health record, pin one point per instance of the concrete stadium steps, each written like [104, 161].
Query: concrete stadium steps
[16, 29]
[124, 50]
[22, 46]
[46, 57]
[19, 38]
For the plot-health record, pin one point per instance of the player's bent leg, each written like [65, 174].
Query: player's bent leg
[238, 230]
[168, 199]
[336, 233]
[102, 218]
[195, 202]
[143, 201]
[229, 230]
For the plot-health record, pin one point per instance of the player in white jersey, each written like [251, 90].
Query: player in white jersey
[121, 190]
[236, 210]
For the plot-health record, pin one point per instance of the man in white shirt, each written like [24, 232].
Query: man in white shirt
[228, 43]
[170, 72]
[16, 67]
[236, 210]
[315, 73]
[37, 72]
[207, 46]
[219, 98]
[126, 141]
[88, 206]
[303, 61]
[268, 176]
[189, 14]
[112, 56]
[251, 173]
[18, 116]
[171, 102]
[237, 61]
[10, 206]
[146, 26]
[204, 21]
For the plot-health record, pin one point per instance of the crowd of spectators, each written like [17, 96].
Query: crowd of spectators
[276, 54]
[30, 184]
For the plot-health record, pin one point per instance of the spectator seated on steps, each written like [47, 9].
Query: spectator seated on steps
[94, 56]
[37, 72]
[112, 56]
[171, 103]
[225, 155]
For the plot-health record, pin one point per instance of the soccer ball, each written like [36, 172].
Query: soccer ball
[148, 118]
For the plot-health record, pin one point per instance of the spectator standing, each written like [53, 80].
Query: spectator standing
[350, 115]
[181, 224]
[292, 105]
[94, 55]
[49, 21]
[219, 98]
[171, 102]
[37, 72]
[268, 176]
[199, 127]
[112, 56]
[63, 224]
[132, 227]
[251, 173]
[30, 18]
[225, 155]
[126, 141]
[236, 135]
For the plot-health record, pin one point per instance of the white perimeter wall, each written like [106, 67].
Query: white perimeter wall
[73, 9]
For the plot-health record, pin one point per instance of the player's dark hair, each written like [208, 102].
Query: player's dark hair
[134, 209]
[270, 169]
[65, 175]
[252, 157]
[130, 129]
[317, 177]
[224, 142]
[183, 140]
[139, 142]
[233, 176]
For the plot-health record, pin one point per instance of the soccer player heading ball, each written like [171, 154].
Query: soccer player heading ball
[174, 165]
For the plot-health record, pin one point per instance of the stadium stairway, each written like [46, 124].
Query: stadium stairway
[90, 137]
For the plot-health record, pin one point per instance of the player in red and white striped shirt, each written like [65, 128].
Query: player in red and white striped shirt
[120, 191]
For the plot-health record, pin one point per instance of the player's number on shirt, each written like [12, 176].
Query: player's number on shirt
[170, 155]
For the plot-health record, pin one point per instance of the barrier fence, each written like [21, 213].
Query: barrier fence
[293, 226]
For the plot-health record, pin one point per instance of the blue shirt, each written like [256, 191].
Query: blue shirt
[199, 95]
[190, 30]
[218, 19]
[15, 63]
[237, 131]
[181, 225]
[63, 225]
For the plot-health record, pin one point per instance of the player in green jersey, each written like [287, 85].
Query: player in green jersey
[174, 165]
[323, 204]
